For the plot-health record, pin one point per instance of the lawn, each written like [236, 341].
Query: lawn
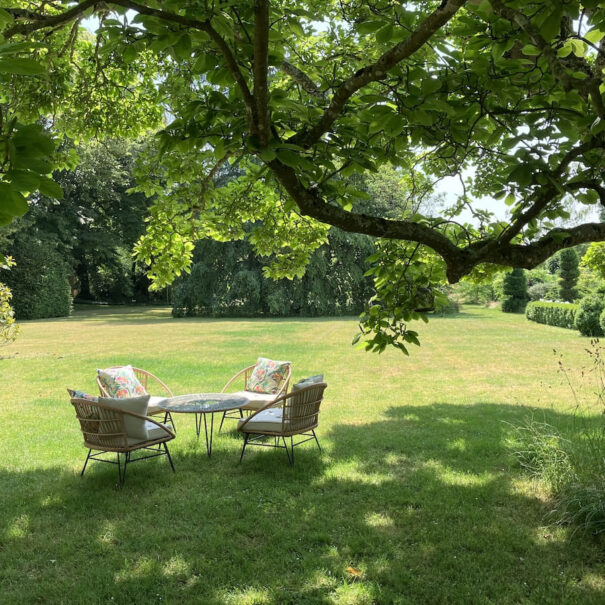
[416, 488]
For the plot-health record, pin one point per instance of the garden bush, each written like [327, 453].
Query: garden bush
[561, 315]
[588, 315]
[568, 274]
[515, 292]
[39, 282]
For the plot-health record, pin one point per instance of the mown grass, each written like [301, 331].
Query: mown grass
[416, 487]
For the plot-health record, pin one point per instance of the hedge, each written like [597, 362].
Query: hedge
[562, 315]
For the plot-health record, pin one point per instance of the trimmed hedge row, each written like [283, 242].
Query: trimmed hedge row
[562, 315]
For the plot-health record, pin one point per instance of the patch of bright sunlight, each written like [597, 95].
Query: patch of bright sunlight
[355, 471]
[141, 568]
[247, 596]
[107, 535]
[450, 476]
[19, 528]
[355, 593]
[176, 566]
[379, 520]
[457, 445]
[51, 500]
[550, 534]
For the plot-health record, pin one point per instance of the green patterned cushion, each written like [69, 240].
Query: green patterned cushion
[121, 382]
[267, 376]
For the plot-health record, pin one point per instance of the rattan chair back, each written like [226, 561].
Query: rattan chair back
[301, 409]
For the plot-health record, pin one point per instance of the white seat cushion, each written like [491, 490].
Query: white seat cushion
[255, 400]
[153, 432]
[153, 407]
[267, 420]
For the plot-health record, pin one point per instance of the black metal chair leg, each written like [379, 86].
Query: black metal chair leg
[316, 440]
[85, 463]
[119, 469]
[287, 452]
[169, 457]
[244, 446]
[220, 428]
[292, 448]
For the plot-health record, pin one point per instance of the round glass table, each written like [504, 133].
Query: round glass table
[201, 404]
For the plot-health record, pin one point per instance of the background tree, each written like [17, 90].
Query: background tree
[515, 292]
[513, 89]
[90, 234]
[8, 328]
[568, 275]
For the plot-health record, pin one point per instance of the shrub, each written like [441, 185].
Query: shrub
[588, 315]
[515, 292]
[8, 328]
[602, 321]
[568, 275]
[561, 315]
[39, 281]
[538, 291]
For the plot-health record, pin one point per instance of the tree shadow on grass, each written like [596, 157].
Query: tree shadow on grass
[422, 505]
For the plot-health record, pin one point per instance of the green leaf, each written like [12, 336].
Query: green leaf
[510, 199]
[579, 48]
[49, 188]
[384, 34]
[551, 27]
[289, 158]
[530, 50]
[594, 35]
[21, 66]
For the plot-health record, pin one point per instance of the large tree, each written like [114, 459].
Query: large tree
[305, 94]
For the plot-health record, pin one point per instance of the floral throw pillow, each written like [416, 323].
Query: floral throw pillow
[267, 376]
[121, 382]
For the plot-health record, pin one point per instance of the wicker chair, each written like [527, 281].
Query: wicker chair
[293, 414]
[144, 378]
[104, 430]
[256, 401]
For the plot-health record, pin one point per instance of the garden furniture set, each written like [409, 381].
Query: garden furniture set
[125, 418]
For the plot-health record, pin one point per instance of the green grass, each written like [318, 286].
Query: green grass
[416, 486]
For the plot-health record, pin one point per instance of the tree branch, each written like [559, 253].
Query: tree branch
[260, 69]
[302, 79]
[435, 21]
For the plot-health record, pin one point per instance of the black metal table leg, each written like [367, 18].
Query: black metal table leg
[209, 437]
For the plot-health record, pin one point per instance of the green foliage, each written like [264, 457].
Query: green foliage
[589, 312]
[568, 274]
[469, 292]
[594, 259]
[553, 264]
[95, 226]
[562, 315]
[8, 328]
[39, 282]
[408, 281]
[473, 89]
[227, 279]
[515, 292]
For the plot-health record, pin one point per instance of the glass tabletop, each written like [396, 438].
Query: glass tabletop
[202, 403]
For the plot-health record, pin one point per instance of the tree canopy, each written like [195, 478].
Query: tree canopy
[305, 96]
